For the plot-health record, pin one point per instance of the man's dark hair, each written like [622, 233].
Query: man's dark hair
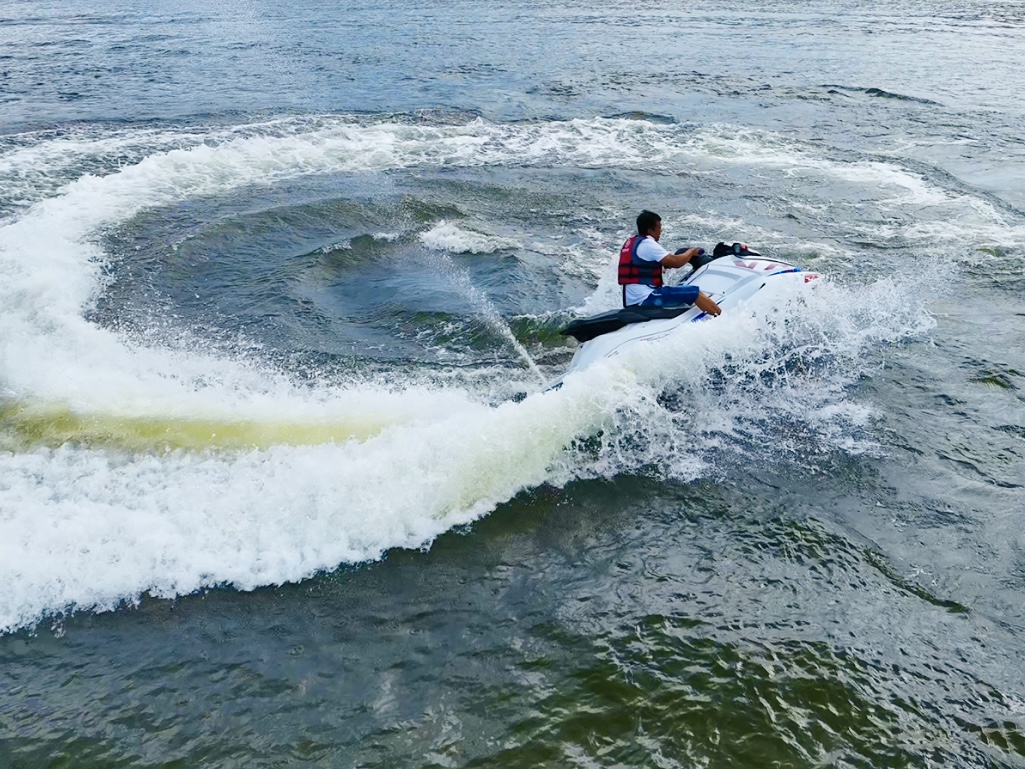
[646, 222]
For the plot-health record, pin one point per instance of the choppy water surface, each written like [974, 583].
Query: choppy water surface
[280, 482]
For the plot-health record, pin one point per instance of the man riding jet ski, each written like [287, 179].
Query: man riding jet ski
[641, 262]
[720, 281]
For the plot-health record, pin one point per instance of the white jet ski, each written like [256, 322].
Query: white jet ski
[730, 276]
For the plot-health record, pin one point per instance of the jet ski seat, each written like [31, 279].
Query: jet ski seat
[585, 329]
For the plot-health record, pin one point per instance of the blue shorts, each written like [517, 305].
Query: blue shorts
[671, 296]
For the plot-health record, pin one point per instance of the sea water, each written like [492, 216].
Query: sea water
[280, 481]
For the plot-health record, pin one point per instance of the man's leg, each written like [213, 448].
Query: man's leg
[672, 296]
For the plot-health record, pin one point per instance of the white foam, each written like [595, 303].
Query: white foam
[445, 236]
[88, 530]
[82, 528]
[85, 529]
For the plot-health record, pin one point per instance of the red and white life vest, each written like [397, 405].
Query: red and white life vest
[635, 270]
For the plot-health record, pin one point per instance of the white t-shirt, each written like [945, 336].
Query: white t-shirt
[650, 251]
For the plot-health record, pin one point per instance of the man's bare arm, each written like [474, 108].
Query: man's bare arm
[678, 260]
